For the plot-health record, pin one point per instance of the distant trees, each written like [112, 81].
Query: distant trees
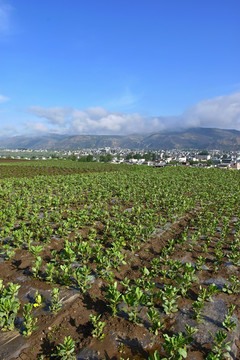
[88, 158]
[203, 152]
[105, 158]
[147, 156]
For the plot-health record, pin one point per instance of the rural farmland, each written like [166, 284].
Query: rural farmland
[103, 261]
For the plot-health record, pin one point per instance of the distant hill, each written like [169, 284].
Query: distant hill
[194, 138]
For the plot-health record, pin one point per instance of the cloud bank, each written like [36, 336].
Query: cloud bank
[3, 99]
[95, 120]
[220, 112]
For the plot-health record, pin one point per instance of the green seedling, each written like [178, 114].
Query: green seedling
[190, 332]
[82, 275]
[29, 321]
[8, 251]
[37, 266]
[126, 283]
[154, 356]
[114, 296]
[186, 280]
[207, 293]
[65, 351]
[65, 273]
[228, 323]
[84, 251]
[212, 290]
[175, 346]
[200, 262]
[50, 272]
[9, 306]
[134, 298]
[212, 356]
[157, 323]
[56, 304]
[234, 287]
[98, 326]
[36, 250]
[220, 348]
[116, 256]
[67, 253]
[169, 299]
[197, 308]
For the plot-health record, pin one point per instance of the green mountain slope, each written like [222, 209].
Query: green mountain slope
[194, 138]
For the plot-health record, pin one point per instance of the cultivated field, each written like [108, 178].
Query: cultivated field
[118, 262]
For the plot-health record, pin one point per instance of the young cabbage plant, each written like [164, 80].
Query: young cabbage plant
[220, 348]
[157, 323]
[175, 346]
[134, 298]
[36, 250]
[98, 326]
[82, 277]
[169, 298]
[114, 296]
[9, 306]
[154, 356]
[29, 321]
[186, 280]
[37, 266]
[51, 273]
[228, 323]
[200, 262]
[65, 351]
[234, 287]
[197, 308]
[65, 272]
[56, 304]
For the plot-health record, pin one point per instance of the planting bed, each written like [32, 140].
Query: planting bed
[123, 261]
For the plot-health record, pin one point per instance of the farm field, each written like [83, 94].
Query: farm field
[118, 262]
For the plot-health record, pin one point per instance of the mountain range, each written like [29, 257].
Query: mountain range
[193, 138]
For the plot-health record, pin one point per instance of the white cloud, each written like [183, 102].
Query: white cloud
[5, 11]
[3, 98]
[221, 112]
[36, 127]
[55, 115]
[94, 121]
[9, 131]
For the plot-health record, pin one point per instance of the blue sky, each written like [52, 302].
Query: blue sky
[118, 66]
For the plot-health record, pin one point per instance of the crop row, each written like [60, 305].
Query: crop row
[77, 230]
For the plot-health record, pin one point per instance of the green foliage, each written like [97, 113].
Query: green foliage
[134, 298]
[29, 321]
[114, 297]
[56, 304]
[9, 306]
[169, 299]
[157, 323]
[82, 277]
[154, 356]
[175, 346]
[98, 326]
[220, 348]
[228, 323]
[65, 351]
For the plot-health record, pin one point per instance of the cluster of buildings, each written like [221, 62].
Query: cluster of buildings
[212, 158]
[158, 158]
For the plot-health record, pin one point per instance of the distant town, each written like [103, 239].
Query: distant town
[159, 158]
